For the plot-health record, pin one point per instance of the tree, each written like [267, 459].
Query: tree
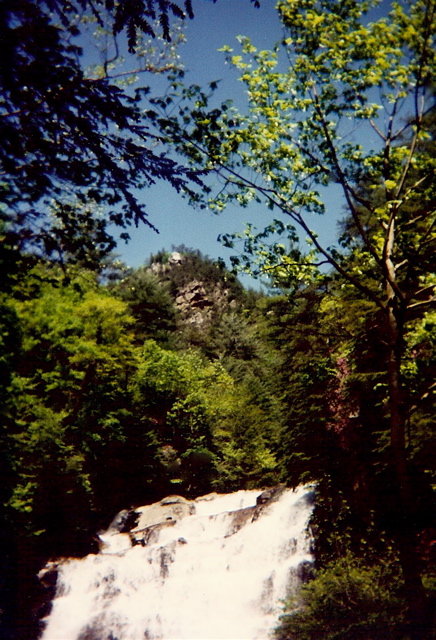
[209, 428]
[75, 144]
[352, 109]
[68, 394]
[347, 600]
[150, 302]
[65, 414]
[72, 137]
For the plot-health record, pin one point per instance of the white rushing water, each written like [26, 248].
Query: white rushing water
[216, 568]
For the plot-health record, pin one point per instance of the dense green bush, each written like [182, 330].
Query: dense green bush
[347, 600]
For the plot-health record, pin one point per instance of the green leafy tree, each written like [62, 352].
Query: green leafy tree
[72, 446]
[209, 429]
[348, 78]
[150, 302]
[167, 386]
[73, 134]
[347, 600]
[304, 372]
[246, 438]
[71, 372]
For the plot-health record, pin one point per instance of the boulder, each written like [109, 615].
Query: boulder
[169, 509]
[240, 518]
[124, 521]
[270, 495]
[149, 535]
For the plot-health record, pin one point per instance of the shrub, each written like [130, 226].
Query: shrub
[346, 601]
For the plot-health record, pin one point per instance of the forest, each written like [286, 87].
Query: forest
[122, 383]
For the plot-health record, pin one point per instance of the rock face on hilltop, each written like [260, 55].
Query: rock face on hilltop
[199, 306]
[183, 299]
[200, 294]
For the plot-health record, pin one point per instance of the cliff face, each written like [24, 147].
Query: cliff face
[201, 296]
[199, 305]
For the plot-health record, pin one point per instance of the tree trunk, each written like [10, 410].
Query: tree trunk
[407, 526]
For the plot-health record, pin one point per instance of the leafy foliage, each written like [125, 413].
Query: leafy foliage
[150, 302]
[197, 408]
[342, 100]
[75, 143]
[75, 353]
[347, 600]
[114, 390]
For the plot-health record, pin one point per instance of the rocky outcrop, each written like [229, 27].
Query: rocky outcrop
[198, 301]
[151, 519]
[124, 521]
[270, 495]
[144, 524]
[169, 509]
[48, 577]
[239, 519]
[198, 306]
[242, 516]
[149, 535]
[194, 296]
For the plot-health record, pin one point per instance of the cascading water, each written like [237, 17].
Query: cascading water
[216, 567]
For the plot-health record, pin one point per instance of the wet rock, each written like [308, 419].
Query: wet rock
[96, 630]
[166, 559]
[266, 498]
[125, 521]
[49, 574]
[305, 571]
[48, 578]
[149, 535]
[152, 518]
[240, 519]
[270, 495]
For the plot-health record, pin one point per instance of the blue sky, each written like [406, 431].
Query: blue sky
[214, 25]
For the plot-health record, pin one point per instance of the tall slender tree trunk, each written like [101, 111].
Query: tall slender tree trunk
[406, 523]
[407, 528]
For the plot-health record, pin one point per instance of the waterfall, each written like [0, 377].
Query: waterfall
[217, 567]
